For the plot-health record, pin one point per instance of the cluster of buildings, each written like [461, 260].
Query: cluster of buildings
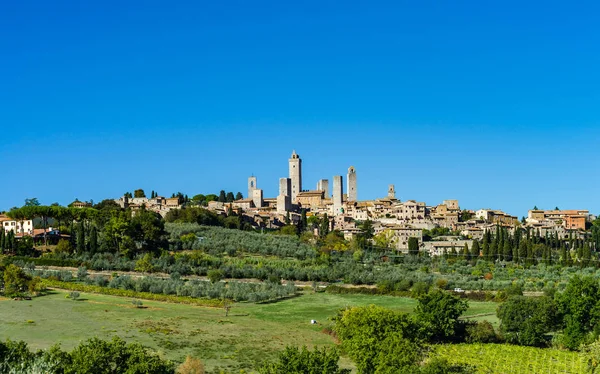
[158, 204]
[395, 219]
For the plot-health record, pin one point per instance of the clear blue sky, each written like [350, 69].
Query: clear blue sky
[495, 104]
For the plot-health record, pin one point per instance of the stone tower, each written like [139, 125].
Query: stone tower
[323, 185]
[391, 192]
[251, 186]
[257, 197]
[338, 194]
[284, 200]
[352, 196]
[295, 175]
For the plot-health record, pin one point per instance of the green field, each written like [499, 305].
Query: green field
[250, 334]
[504, 358]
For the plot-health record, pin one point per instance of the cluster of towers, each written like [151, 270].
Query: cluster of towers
[291, 187]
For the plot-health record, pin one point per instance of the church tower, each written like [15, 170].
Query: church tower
[295, 175]
[352, 195]
[251, 186]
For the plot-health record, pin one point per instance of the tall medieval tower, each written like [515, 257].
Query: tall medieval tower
[295, 175]
[352, 195]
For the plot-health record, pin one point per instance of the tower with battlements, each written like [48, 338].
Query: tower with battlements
[295, 164]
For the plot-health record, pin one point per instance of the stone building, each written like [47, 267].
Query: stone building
[295, 172]
[338, 195]
[352, 193]
[310, 199]
[323, 185]
[284, 199]
[251, 186]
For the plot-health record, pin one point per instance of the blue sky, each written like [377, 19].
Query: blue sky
[494, 104]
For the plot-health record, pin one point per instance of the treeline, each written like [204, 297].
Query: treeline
[91, 356]
[236, 291]
[528, 247]
[104, 228]
[568, 319]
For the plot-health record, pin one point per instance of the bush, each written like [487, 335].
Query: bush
[481, 332]
[215, 275]
[419, 288]
[74, 295]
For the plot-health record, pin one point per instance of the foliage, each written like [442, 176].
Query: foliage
[505, 358]
[93, 356]
[579, 305]
[439, 311]
[363, 329]
[481, 332]
[527, 320]
[16, 281]
[215, 275]
[300, 361]
[73, 295]
[191, 366]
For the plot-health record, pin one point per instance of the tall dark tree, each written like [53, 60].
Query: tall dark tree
[324, 227]
[229, 197]
[80, 237]
[475, 249]
[507, 251]
[139, 193]
[222, 196]
[465, 252]
[239, 196]
[486, 246]
[413, 246]
[303, 222]
[93, 239]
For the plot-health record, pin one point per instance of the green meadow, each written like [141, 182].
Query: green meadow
[250, 334]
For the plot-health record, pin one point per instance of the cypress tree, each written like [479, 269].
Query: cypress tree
[522, 251]
[563, 255]
[507, 251]
[475, 250]
[2, 236]
[80, 238]
[494, 251]
[303, 221]
[466, 253]
[324, 229]
[486, 249]
[93, 240]
[222, 197]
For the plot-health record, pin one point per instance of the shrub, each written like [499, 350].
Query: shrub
[419, 288]
[191, 366]
[481, 332]
[74, 295]
[215, 275]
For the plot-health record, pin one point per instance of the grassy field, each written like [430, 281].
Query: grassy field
[504, 358]
[250, 334]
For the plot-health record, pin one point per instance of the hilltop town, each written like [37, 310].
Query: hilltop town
[392, 219]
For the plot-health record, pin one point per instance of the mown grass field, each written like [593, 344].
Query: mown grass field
[504, 359]
[250, 334]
